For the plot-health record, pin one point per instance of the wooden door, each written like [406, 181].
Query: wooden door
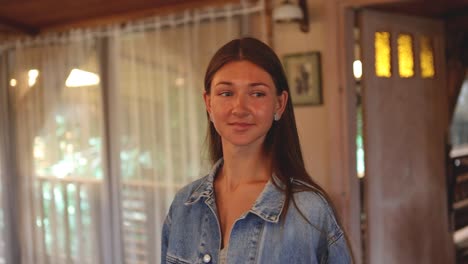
[405, 126]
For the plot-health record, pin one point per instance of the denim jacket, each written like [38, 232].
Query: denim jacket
[191, 231]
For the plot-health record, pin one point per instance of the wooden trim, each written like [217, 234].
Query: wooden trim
[362, 3]
[10, 196]
[133, 15]
[112, 247]
[339, 92]
[457, 23]
[16, 27]
[78, 180]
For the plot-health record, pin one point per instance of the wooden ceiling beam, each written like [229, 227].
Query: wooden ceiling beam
[17, 27]
[123, 17]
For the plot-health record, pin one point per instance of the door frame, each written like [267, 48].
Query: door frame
[339, 91]
[341, 102]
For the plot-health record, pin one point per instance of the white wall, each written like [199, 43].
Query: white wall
[311, 120]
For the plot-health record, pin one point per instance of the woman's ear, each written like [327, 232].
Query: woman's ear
[207, 99]
[281, 102]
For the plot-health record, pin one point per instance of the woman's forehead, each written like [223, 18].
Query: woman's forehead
[242, 70]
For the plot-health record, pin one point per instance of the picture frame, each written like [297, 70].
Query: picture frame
[303, 71]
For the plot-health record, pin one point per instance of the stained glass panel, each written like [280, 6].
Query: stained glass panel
[382, 54]
[427, 57]
[405, 56]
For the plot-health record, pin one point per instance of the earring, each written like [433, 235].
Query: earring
[276, 117]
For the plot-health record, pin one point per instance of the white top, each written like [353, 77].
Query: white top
[223, 256]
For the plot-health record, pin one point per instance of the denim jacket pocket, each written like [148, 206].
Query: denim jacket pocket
[175, 260]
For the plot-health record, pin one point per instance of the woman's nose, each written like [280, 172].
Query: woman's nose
[240, 105]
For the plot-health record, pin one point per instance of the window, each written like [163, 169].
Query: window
[405, 55]
[382, 54]
[459, 128]
[426, 57]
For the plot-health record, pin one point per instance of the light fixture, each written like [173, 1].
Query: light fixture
[180, 81]
[289, 12]
[357, 69]
[79, 78]
[32, 77]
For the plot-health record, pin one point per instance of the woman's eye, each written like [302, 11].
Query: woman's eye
[258, 94]
[227, 93]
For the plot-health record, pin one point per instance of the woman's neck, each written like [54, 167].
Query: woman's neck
[244, 166]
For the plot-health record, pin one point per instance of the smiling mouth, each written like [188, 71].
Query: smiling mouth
[241, 126]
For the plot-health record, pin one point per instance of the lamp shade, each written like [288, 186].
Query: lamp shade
[287, 11]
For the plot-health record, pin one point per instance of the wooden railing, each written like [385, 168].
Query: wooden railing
[69, 213]
[68, 219]
[144, 204]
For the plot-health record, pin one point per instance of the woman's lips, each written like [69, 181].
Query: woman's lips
[240, 125]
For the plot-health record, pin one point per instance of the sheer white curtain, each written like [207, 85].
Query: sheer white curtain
[4, 133]
[159, 114]
[98, 161]
[59, 133]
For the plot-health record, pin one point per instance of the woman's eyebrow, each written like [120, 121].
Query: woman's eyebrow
[258, 84]
[251, 85]
[223, 83]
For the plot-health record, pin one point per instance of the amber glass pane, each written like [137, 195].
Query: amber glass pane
[382, 54]
[405, 56]
[427, 58]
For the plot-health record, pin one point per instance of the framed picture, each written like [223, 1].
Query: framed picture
[304, 77]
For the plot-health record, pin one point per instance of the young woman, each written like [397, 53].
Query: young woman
[258, 203]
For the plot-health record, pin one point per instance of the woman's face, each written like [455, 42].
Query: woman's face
[242, 103]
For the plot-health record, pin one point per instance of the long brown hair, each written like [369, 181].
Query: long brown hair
[282, 140]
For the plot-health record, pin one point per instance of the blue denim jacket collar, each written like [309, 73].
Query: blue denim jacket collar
[268, 205]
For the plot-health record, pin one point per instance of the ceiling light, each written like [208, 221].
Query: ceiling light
[357, 69]
[79, 78]
[13, 82]
[180, 81]
[289, 12]
[32, 77]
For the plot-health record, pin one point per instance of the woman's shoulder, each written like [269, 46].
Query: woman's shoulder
[305, 192]
[320, 213]
[315, 207]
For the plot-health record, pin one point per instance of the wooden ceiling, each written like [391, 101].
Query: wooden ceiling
[34, 16]
[445, 9]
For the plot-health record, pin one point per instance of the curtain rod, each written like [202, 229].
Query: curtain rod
[155, 22]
